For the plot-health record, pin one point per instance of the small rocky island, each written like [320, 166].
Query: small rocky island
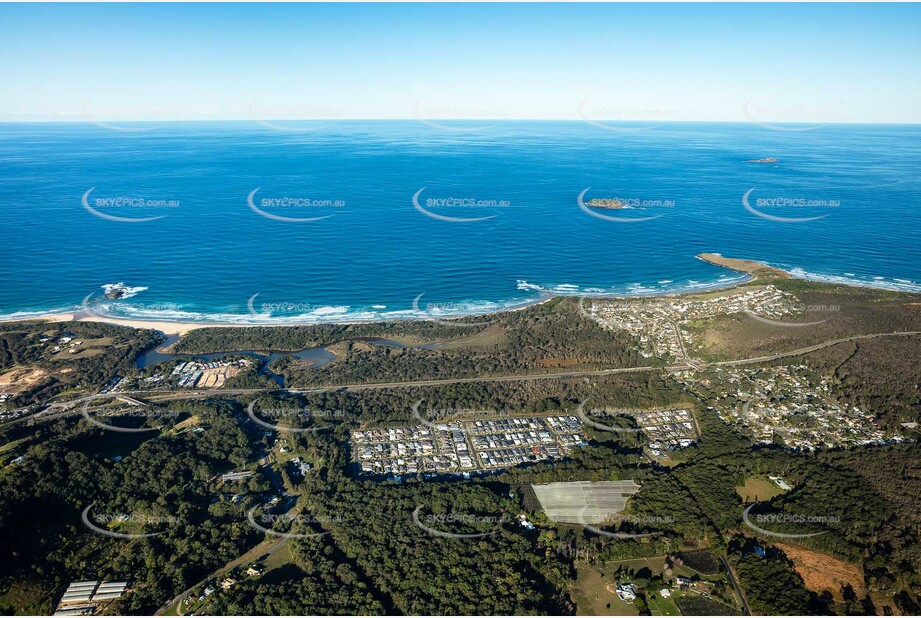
[765, 160]
[116, 291]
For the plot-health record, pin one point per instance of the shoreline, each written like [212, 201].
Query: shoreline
[167, 327]
[753, 270]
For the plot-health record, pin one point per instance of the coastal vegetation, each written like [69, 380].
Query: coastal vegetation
[104, 350]
[549, 337]
[690, 510]
[393, 564]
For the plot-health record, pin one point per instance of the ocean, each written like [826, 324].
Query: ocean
[259, 222]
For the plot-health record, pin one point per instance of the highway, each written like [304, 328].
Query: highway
[66, 407]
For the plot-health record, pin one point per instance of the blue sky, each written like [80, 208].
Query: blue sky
[724, 62]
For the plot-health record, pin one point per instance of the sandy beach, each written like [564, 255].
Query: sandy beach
[181, 328]
[755, 270]
[168, 328]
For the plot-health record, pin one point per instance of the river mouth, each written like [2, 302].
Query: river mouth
[317, 356]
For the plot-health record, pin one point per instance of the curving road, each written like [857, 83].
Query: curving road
[813, 348]
[67, 407]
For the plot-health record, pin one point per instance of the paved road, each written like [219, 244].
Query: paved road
[818, 346]
[527, 377]
[195, 393]
[68, 407]
[735, 584]
[684, 352]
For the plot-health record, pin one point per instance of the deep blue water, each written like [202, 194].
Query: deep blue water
[210, 254]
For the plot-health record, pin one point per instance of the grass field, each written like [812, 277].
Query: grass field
[279, 558]
[757, 489]
[491, 335]
[661, 606]
[592, 597]
[9, 446]
[656, 564]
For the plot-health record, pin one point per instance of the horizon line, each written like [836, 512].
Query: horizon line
[470, 120]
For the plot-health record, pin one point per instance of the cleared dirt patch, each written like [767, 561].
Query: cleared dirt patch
[217, 376]
[20, 379]
[821, 572]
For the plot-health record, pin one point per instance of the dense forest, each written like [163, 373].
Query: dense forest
[550, 337]
[21, 345]
[162, 484]
[374, 557]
